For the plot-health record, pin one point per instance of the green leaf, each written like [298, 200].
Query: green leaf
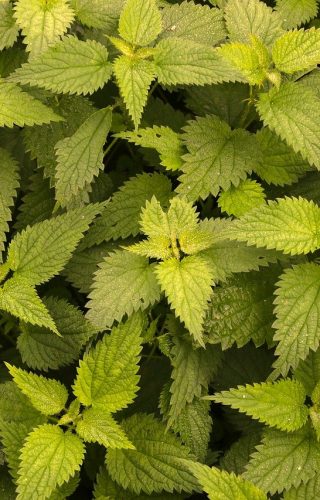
[140, 22]
[19, 108]
[72, 66]
[80, 157]
[223, 486]
[46, 395]
[308, 371]
[297, 312]
[49, 458]
[310, 490]
[13, 435]
[251, 17]
[284, 460]
[218, 157]
[123, 284]
[297, 50]
[107, 376]
[134, 77]
[158, 463]
[42, 24]
[98, 13]
[238, 455]
[190, 21]
[293, 13]
[21, 300]
[241, 199]
[279, 404]
[9, 31]
[41, 251]
[42, 350]
[16, 407]
[97, 426]
[288, 224]
[182, 61]
[187, 285]
[291, 113]
[9, 182]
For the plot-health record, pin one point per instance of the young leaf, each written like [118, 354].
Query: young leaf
[19, 108]
[241, 199]
[293, 13]
[9, 182]
[297, 50]
[187, 285]
[158, 463]
[279, 404]
[41, 251]
[107, 376]
[72, 66]
[220, 484]
[297, 312]
[46, 395]
[42, 23]
[80, 157]
[49, 458]
[9, 31]
[97, 426]
[140, 22]
[290, 113]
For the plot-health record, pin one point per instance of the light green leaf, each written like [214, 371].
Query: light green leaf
[46, 395]
[159, 462]
[97, 426]
[291, 113]
[80, 157]
[13, 435]
[41, 251]
[19, 108]
[98, 13]
[218, 157]
[241, 199]
[123, 284]
[284, 460]
[220, 485]
[9, 31]
[140, 22]
[293, 13]
[279, 404]
[9, 182]
[49, 458]
[134, 77]
[187, 285]
[297, 50]
[288, 224]
[107, 376]
[251, 17]
[297, 312]
[72, 66]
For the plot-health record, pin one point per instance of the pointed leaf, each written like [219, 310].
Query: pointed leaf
[297, 50]
[140, 22]
[9, 31]
[295, 12]
[9, 182]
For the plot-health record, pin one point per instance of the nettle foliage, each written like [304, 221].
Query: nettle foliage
[159, 249]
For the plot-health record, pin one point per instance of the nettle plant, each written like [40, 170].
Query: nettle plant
[159, 249]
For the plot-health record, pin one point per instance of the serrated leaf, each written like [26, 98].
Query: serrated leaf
[124, 283]
[279, 404]
[224, 486]
[237, 456]
[288, 224]
[251, 17]
[241, 199]
[218, 157]
[292, 13]
[297, 50]
[187, 285]
[309, 490]
[98, 13]
[42, 23]
[46, 395]
[297, 311]
[284, 460]
[49, 458]
[107, 376]
[158, 463]
[308, 371]
[9, 31]
[181, 61]
[20, 299]
[140, 22]
[16, 407]
[41, 251]
[13, 435]
[40, 349]
[134, 77]
[72, 66]
[20, 108]
[290, 113]
[80, 157]
[9, 182]
[97, 426]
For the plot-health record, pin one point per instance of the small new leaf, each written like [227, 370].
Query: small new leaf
[297, 50]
